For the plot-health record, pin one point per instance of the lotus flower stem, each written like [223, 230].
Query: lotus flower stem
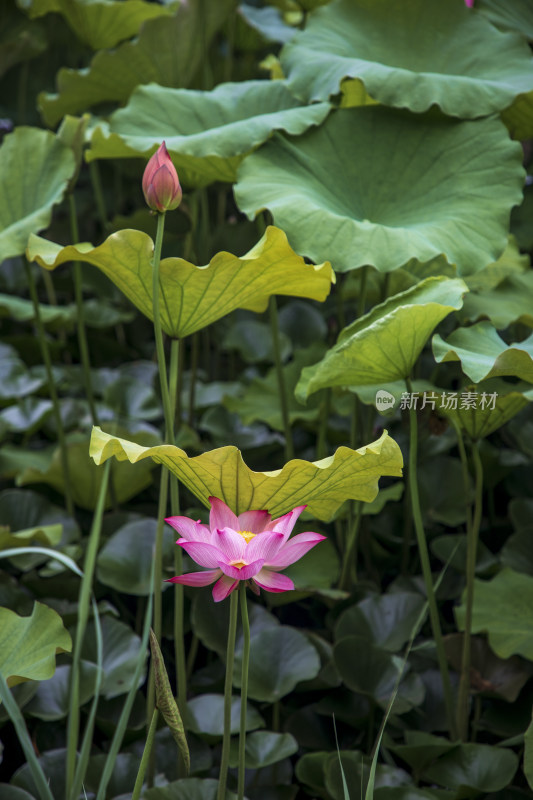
[96, 181]
[283, 397]
[471, 553]
[161, 360]
[244, 689]
[80, 314]
[139, 780]
[466, 474]
[426, 568]
[228, 687]
[45, 353]
[350, 554]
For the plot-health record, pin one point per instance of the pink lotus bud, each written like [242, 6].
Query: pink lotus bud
[161, 186]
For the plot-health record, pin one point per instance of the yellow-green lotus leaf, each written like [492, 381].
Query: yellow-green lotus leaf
[193, 297]
[28, 645]
[320, 485]
[43, 534]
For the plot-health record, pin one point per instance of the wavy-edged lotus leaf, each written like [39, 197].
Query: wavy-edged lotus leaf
[270, 675]
[488, 673]
[473, 769]
[268, 22]
[193, 297]
[503, 608]
[466, 77]
[383, 345]
[377, 186]
[511, 262]
[28, 645]
[484, 354]
[35, 167]
[165, 52]
[421, 748]
[515, 16]
[519, 117]
[48, 535]
[367, 668]
[85, 478]
[99, 23]
[264, 748]
[508, 302]
[386, 620]
[481, 410]
[206, 133]
[204, 714]
[321, 485]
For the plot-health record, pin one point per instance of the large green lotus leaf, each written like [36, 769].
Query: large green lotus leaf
[35, 168]
[52, 699]
[120, 655]
[376, 186]
[188, 789]
[165, 52]
[321, 485]
[280, 657]
[504, 304]
[484, 354]
[193, 297]
[48, 535]
[28, 645]
[512, 15]
[206, 133]
[99, 23]
[473, 769]
[460, 62]
[519, 117]
[482, 410]
[205, 715]
[85, 478]
[511, 262]
[383, 345]
[386, 620]
[421, 748]
[503, 608]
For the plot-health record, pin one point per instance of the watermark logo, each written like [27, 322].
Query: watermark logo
[384, 400]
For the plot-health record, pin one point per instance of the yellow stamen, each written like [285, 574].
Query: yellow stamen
[247, 535]
[238, 564]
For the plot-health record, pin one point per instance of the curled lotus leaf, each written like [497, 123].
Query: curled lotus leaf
[193, 297]
[478, 70]
[481, 410]
[320, 485]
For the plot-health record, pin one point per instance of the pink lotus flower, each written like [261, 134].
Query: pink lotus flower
[161, 186]
[250, 547]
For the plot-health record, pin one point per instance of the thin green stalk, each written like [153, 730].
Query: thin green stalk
[179, 634]
[96, 181]
[45, 353]
[83, 615]
[158, 331]
[466, 475]
[145, 757]
[471, 553]
[244, 689]
[276, 713]
[228, 687]
[80, 314]
[282, 387]
[361, 300]
[192, 378]
[321, 444]
[426, 568]
[158, 554]
[15, 714]
[350, 554]
[191, 656]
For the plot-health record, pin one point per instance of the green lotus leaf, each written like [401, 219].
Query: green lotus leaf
[385, 620]
[206, 133]
[519, 117]
[375, 186]
[264, 748]
[511, 262]
[187, 789]
[471, 770]
[35, 168]
[484, 354]
[28, 645]
[19, 41]
[503, 608]
[204, 714]
[383, 345]
[321, 485]
[51, 700]
[421, 748]
[270, 677]
[85, 479]
[481, 410]
[193, 297]
[99, 23]
[42, 534]
[121, 647]
[478, 72]
[515, 16]
[165, 52]
[507, 303]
